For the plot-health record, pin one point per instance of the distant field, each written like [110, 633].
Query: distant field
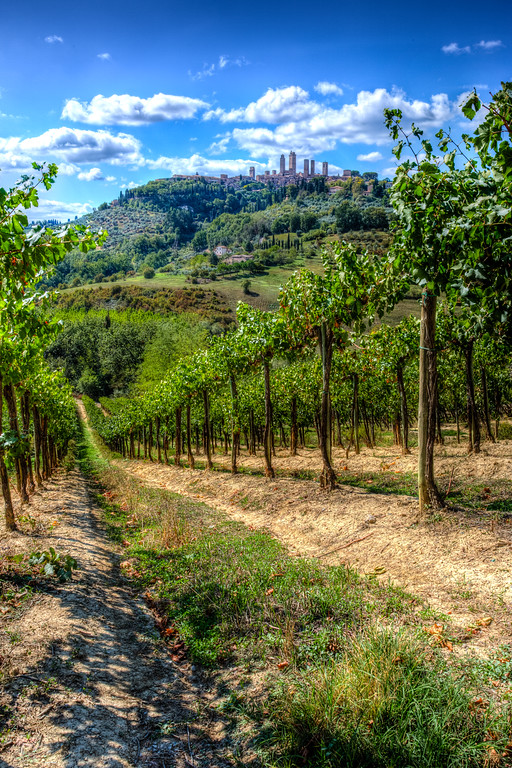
[264, 289]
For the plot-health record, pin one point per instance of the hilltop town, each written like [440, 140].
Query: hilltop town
[282, 178]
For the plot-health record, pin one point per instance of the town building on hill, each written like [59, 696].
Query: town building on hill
[280, 178]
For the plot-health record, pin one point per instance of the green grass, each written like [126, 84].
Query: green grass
[264, 290]
[235, 594]
[381, 706]
[347, 678]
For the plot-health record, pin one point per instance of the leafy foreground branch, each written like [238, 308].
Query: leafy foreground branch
[346, 680]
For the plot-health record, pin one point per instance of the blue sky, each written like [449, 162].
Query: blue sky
[118, 93]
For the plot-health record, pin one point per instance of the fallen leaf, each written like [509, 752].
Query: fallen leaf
[435, 629]
[283, 664]
[484, 622]
[269, 591]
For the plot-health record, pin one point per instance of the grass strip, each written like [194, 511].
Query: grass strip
[347, 679]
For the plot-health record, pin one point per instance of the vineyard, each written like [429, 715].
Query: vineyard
[342, 436]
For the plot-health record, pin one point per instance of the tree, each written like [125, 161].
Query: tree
[348, 217]
[374, 217]
[321, 308]
[453, 237]
[25, 256]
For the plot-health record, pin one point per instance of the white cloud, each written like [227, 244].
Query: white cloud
[315, 128]
[225, 61]
[219, 147]
[55, 209]
[73, 145]
[124, 109]
[53, 39]
[204, 165]
[489, 45]
[371, 157]
[14, 160]
[328, 89]
[104, 56]
[454, 48]
[94, 174]
[207, 71]
[68, 169]
[279, 105]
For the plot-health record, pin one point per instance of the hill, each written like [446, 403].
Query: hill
[193, 227]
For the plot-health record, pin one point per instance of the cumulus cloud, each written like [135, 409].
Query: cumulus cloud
[277, 105]
[219, 147]
[73, 145]
[53, 39]
[489, 45]
[328, 89]
[371, 157]
[454, 48]
[124, 109]
[68, 169]
[55, 209]
[314, 128]
[95, 174]
[14, 160]
[104, 56]
[205, 166]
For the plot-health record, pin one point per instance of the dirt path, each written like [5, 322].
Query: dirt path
[460, 564]
[88, 682]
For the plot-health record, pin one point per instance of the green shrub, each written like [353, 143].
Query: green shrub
[148, 273]
[505, 431]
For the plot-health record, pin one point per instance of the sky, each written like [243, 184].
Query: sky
[119, 93]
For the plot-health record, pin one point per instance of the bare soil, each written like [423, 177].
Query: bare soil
[86, 679]
[494, 462]
[458, 563]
